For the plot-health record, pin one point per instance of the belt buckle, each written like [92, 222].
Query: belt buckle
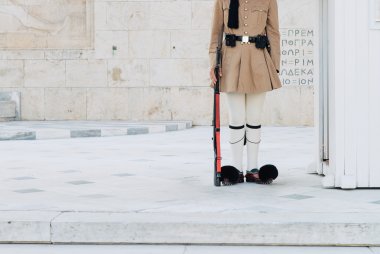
[245, 39]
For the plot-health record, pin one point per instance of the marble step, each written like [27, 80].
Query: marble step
[237, 228]
[177, 249]
[7, 110]
[37, 130]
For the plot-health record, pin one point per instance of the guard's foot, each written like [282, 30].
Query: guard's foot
[252, 176]
[226, 181]
[231, 175]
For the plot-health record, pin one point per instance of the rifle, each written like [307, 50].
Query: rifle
[216, 123]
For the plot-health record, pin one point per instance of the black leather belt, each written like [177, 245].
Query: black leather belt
[243, 39]
[246, 39]
[261, 41]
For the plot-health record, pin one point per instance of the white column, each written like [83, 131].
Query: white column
[354, 79]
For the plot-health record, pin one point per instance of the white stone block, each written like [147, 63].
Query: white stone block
[86, 73]
[33, 103]
[190, 43]
[105, 41]
[122, 15]
[170, 72]
[192, 103]
[307, 101]
[107, 103]
[283, 107]
[200, 72]
[65, 103]
[138, 99]
[298, 14]
[161, 103]
[21, 54]
[150, 103]
[128, 73]
[149, 44]
[201, 14]
[100, 19]
[45, 73]
[11, 73]
[116, 15]
[170, 15]
[138, 15]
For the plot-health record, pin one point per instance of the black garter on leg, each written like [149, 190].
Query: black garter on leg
[238, 128]
[253, 127]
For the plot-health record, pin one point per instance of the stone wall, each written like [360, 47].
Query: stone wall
[137, 60]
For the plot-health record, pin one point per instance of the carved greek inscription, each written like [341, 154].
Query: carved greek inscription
[297, 56]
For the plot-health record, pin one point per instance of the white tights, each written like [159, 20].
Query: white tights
[245, 122]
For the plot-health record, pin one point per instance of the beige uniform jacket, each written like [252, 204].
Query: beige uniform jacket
[245, 68]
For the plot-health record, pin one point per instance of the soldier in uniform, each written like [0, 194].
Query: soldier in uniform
[247, 31]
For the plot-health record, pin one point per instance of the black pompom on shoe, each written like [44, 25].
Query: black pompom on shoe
[268, 173]
[230, 175]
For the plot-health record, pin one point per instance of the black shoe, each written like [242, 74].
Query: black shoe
[231, 175]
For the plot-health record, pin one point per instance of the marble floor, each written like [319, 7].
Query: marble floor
[165, 172]
[168, 172]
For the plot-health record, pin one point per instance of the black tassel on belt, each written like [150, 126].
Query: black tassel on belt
[233, 14]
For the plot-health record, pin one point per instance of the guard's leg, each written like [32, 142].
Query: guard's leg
[236, 111]
[254, 108]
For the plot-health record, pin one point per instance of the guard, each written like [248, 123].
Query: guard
[247, 31]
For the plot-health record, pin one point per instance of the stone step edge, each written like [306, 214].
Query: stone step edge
[282, 229]
[58, 133]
